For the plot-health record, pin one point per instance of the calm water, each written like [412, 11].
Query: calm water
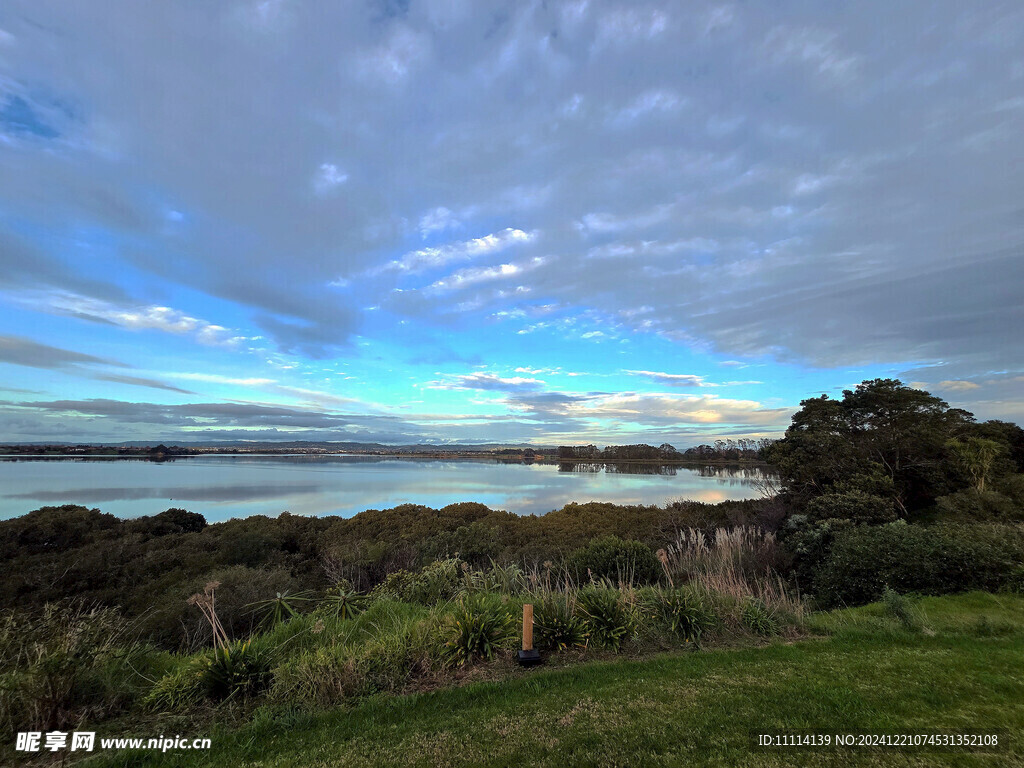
[223, 487]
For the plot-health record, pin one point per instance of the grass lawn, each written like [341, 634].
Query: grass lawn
[963, 673]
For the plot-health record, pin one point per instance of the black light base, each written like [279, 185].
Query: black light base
[529, 658]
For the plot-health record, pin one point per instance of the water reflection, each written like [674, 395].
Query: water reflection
[221, 487]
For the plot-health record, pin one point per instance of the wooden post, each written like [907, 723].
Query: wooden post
[527, 627]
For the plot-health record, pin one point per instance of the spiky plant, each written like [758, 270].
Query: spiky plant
[279, 608]
[476, 628]
[557, 625]
[609, 619]
[343, 601]
[234, 670]
[683, 612]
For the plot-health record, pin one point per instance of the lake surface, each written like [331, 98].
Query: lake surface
[223, 487]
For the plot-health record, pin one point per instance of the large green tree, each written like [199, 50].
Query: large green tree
[883, 438]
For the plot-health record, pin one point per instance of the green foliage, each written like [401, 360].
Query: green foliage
[881, 425]
[971, 505]
[477, 544]
[321, 677]
[759, 618]
[610, 620]
[810, 544]
[478, 627]
[237, 670]
[864, 560]
[343, 602]
[557, 624]
[280, 608]
[976, 456]
[855, 506]
[63, 664]
[180, 688]
[621, 561]
[899, 607]
[682, 611]
[438, 581]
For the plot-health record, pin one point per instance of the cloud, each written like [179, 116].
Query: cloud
[488, 381]
[328, 177]
[430, 258]
[675, 379]
[17, 350]
[958, 386]
[465, 278]
[21, 351]
[139, 381]
[136, 318]
[796, 189]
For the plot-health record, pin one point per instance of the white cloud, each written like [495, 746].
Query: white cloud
[649, 102]
[395, 59]
[487, 381]
[328, 177]
[139, 318]
[464, 278]
[429, 258]
[812, 47]
[675, 379]
[439, 219]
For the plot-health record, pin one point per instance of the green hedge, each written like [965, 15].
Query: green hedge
[934, 560]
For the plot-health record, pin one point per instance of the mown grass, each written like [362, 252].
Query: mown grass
[867, 673]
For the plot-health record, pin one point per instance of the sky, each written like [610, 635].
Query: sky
[522, 222]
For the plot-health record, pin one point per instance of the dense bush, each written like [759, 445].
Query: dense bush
[621, 561]
[864, 560]
[972, 505]
[440, 580]
[854, 505]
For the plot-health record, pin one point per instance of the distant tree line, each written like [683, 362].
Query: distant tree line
[740, 449]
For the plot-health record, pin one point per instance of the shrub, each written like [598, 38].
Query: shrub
[55, 667]
[397, 585]
[897, 606]
[557, 626]
[854, 505]
[625, 561]
[437, 582]
[759, 618]
[236, 670]
[478, 627]
[682, 612]
[279, 609]
[972, 505]
[609, 619]
[935, 560]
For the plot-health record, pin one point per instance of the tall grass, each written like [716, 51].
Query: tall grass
[66, 663]
[739, 563]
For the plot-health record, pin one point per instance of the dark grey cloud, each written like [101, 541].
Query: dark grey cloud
[140, 381]
[21, 351]
[17, 350]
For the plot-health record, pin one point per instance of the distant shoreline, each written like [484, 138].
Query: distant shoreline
[470, 456]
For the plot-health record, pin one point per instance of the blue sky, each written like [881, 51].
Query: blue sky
[520, 222]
